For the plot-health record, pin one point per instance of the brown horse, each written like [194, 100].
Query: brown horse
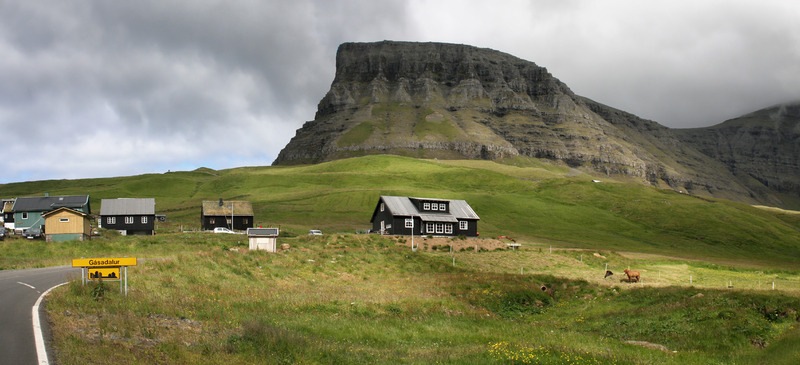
[632, 275]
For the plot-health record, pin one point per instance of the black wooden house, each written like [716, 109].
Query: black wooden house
[396, 215]
[237, 215]
[129, 216]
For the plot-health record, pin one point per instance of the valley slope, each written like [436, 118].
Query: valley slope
[528, 199]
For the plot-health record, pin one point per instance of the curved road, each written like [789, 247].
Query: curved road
[19, 291]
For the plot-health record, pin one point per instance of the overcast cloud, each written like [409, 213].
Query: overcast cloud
[107, 88]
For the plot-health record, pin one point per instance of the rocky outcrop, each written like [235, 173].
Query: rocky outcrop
[435, 100]
[761, 148]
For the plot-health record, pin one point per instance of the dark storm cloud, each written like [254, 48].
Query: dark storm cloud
[117, 88]
[148, 85]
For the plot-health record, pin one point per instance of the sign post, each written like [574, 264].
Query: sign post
[105, 269]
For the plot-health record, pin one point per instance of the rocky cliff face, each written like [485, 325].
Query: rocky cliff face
[761, 148]
[435, 100]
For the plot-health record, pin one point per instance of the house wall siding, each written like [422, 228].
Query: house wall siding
[74, 227]
[239, 222]
[74, 223]
[136, 226]
[34, 219]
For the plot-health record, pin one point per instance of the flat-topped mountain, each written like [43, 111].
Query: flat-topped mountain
[435, 100]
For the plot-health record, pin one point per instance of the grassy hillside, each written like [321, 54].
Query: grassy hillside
[363, 299]
[532, 201]
[356, 298]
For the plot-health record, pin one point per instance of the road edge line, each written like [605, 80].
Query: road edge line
[41, 350]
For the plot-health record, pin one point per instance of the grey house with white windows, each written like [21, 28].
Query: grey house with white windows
[399, 215]
[129, 216]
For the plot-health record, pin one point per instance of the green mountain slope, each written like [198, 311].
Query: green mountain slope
[532, 201]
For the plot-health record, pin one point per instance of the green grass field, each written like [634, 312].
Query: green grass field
[345, 298]
[525, 199]
[708, 268]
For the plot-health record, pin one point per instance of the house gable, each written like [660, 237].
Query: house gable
[64, 224]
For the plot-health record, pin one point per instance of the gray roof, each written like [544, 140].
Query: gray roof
[402, 206]
[269, 232]
[128, 206]
[48, 203]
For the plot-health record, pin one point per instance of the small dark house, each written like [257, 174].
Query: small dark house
[129, 216]
[425, 216]
[231, 214]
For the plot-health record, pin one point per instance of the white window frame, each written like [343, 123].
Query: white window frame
[463, 225]
[430, 227]
[382, 207]
[24, 215]
[448, 228]
[128, 219]
[439, 227]
[144, 219]
[409, 222]
[63, 220]
[426, 206]
[443, 207]
[434, 206]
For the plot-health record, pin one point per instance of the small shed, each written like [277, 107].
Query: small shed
[64, 224]
[263, 239]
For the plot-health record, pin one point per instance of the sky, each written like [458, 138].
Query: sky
[119, 88]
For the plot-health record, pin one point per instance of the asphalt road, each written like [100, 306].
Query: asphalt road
[19, 290]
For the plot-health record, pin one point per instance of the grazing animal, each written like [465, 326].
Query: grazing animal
[632, 274]
[608, 273]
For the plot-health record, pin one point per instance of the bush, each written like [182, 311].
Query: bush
[519, 302]
[98, 290]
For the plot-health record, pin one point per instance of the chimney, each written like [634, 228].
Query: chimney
[220, 201]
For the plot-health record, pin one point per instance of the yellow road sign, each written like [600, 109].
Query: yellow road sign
[104, 262]
[105, 273]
